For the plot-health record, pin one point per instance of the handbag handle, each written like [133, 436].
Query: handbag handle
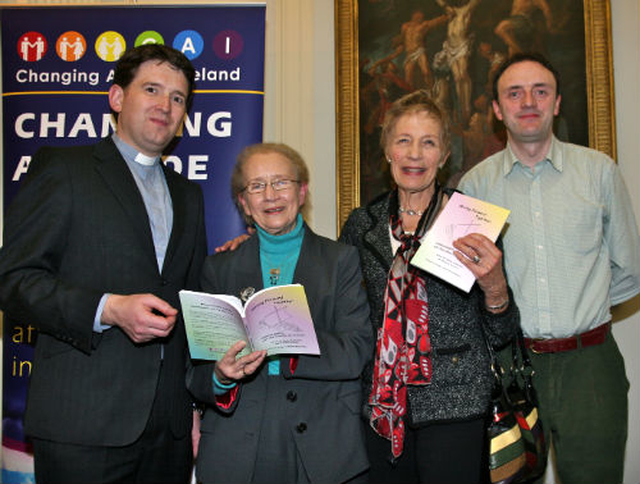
[522, 367]
[496, 367]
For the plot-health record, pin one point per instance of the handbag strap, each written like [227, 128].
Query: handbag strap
[496, 368]
[521, 366]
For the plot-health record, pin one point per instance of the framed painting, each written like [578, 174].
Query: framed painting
[387, 48]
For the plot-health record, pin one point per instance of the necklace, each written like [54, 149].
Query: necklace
[276, 270]
[274, 276]
[410, 211]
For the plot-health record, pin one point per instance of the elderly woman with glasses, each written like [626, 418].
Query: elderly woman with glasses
[286, 419]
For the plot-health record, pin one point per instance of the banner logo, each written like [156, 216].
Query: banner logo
[32, 46]
[149, 37]
[110, 46]
[190, 43]
[71, 46]
[228, 44]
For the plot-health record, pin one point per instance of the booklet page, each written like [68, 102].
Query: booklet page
[461, 216]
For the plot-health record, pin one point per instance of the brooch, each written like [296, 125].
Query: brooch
[246, 293]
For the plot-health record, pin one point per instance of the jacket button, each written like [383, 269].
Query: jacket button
[163, 282]
[301, 427]
[455, 359]
[292, 396]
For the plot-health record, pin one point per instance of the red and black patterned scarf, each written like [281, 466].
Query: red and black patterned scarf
[403, 351]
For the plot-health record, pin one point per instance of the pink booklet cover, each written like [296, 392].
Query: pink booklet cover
[276, 319]
[462, 215]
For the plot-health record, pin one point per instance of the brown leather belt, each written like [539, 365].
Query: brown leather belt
[593, 337]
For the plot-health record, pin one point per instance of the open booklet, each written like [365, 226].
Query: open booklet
[461, 215]
[276, 319]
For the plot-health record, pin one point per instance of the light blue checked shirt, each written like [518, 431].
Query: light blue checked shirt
[571, 245]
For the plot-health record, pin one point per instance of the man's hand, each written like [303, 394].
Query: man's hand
[143, 317]
[195, 433]
[233, 244]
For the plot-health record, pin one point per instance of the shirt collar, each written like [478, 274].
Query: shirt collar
[130, 154]
[554, 157]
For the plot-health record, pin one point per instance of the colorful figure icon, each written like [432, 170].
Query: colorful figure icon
[110, 46]
[71, 46]
[32, 46]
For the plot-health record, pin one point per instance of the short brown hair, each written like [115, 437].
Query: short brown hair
[127, 66]
[524, 57]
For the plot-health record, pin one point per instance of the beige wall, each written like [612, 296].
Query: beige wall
[626, 57]
[299, 110]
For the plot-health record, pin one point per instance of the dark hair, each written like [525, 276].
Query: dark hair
[415, 102]
[237, 175]
[524, 57]
[128, 65]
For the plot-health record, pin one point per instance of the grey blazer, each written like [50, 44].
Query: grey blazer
[461, 380]
[77, 229]
[323, 395]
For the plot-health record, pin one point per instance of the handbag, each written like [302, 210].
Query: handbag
[517, 450]
[524, 401]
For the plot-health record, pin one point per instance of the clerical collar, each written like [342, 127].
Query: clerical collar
[145, 160]
[131, 154]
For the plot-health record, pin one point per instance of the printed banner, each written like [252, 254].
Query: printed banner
[57, 66]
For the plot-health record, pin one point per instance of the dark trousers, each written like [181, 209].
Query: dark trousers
[436, 454]
[583, 408]
[156, 457]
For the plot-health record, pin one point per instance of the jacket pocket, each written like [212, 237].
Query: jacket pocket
[454, 365]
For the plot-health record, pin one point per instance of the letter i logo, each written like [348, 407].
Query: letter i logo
[32, 46]
[228, 44]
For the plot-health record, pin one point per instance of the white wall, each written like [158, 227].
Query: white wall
[299, 110]
[626, 61]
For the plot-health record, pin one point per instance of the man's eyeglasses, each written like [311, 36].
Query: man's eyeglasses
[278, 185]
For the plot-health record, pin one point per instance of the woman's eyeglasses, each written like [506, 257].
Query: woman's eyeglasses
[260, 186]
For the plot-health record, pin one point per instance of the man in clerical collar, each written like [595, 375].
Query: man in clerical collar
[98, 242]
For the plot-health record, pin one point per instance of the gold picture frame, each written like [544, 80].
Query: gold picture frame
[599, 91]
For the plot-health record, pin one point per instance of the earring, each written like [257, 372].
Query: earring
[389, 160]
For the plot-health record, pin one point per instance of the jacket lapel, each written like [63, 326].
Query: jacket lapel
[377, 238]
[248, 272]
[179, 204]
[308, 262]
[116, 174]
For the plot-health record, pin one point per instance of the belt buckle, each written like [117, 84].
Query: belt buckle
[532, 347]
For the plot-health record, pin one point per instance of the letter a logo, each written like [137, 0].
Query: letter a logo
[190, 43]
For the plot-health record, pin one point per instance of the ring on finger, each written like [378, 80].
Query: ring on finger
[476, 259]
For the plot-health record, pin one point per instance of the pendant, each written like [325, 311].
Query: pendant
[411, 212]
[274, 276]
